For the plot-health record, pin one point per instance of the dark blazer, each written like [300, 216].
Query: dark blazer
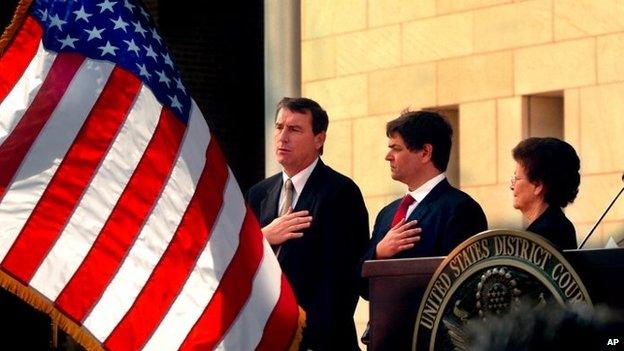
[323, 265]
[446, 215]
[556, 227]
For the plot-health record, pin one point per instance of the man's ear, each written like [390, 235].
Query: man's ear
[427, 151]
[319, 140]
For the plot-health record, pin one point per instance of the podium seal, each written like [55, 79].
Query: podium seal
[489, 274]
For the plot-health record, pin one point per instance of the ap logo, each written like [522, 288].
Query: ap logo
[613, 342]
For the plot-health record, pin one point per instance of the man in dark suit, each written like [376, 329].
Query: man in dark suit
[316, 221]
[433, 217]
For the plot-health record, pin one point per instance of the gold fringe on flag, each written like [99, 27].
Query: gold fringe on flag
[81, 334]
[294, 346]
[19, 16]
[43, 304]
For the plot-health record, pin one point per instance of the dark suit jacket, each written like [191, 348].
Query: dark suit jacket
[556, 227]
[323, 265]
[446, 215]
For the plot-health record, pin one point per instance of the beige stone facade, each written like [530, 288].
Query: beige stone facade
[505, 69]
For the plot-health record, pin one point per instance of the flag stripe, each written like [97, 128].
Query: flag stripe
[18, 55]
[125, 221]
[246, 332]
[232, 293]
[49, 146]
[12, 108]
[205, 278]
[281, 327]
[73, 175]
[178, 260]
[156, 232]
[17, 144]
[98, 202]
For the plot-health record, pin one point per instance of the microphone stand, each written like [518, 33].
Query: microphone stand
[601, 217]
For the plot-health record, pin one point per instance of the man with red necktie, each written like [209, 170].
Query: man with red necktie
[433, 217]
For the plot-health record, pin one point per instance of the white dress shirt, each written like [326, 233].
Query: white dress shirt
[299, 180]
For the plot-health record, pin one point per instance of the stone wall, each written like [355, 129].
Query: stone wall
[499, 64]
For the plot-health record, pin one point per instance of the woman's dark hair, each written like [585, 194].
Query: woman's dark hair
[555, 164]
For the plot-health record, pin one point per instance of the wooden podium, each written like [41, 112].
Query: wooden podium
[396, 288]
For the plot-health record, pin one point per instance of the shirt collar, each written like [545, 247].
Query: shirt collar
[423, 190]
[300, 179]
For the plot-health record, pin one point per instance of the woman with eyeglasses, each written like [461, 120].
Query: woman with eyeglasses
[545, 181]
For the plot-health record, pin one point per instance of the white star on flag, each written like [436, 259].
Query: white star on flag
[94, 33]
[162, 78]
[128, 5]
[138, 28]
[150, 52]
[81, 14]
[55, 21]
[179, 84]
[132, 46]
[107, 5]
[68, 41]
[119, 23]
[175, 103]
[156, 36]
[167, 59]
[108, 49]
[143, 71]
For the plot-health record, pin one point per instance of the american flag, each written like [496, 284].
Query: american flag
[118, 213]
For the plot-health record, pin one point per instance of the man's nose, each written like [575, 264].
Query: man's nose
[282, 135]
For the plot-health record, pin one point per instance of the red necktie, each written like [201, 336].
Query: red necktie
[402, 210]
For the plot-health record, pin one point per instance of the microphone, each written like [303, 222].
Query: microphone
[603, 215]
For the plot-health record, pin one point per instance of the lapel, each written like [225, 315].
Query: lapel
[386, 220]
[428, 202]
[268, 207]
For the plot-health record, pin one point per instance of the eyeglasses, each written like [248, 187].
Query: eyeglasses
[514, 179]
